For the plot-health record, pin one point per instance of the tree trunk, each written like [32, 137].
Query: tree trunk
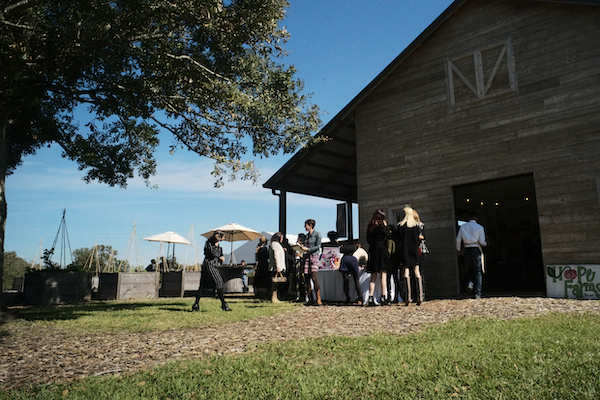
[3, 169]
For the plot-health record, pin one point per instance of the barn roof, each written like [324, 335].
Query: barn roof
[328, 168]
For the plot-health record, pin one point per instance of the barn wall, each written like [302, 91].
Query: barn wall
[414, 145]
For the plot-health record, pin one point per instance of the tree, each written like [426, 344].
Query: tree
[14, 267]
[85, 257]
[207, 71]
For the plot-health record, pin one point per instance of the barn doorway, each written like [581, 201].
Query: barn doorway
[507, 210]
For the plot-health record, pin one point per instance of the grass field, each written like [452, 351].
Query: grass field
[556, 356]
[138, 316]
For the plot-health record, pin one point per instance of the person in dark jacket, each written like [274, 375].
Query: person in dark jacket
[408, 238]
[349, 267]
[378, 232]
[262, 276]
[210, 276]
[312, 248]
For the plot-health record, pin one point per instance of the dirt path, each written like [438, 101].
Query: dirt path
[43, 359]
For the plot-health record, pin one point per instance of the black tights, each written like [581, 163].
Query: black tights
[356, 285]
[220, 294]
[307, 277]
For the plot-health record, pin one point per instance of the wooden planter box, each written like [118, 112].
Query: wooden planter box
[232, 276]
[128, 286]
[179, 283]
[62, 287]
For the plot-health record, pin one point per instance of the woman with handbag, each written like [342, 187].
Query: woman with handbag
[409, 239]
[276, 264]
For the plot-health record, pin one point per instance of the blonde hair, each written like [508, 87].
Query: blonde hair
[416, 215]
[409, 218]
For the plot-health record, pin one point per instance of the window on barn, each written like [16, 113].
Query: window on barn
[482, 73]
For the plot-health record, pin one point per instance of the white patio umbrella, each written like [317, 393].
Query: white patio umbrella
[168, 237]
[233, 233]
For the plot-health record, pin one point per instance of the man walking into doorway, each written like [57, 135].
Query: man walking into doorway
[472, 235]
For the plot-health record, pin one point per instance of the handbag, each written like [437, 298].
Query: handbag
[423, 249]
[279, 278]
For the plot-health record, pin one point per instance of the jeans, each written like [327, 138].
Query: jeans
[473, 263]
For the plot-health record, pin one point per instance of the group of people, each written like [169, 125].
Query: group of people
[395, 253]
[298, 265]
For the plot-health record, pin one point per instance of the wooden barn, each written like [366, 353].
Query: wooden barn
[494, 107]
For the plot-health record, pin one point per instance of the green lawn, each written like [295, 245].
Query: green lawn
[138, 316]
[556, 356]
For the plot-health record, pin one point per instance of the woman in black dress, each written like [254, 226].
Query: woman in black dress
[262, 276]
[377, 234]
[210, 276]
[409, 240]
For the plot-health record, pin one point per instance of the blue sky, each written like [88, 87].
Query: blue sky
[337, 47]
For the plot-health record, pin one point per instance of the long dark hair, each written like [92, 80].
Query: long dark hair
[276, 237]
[216, 236]
[378, 218]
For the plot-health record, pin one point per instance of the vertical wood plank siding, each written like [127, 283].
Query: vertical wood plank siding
[413, 147]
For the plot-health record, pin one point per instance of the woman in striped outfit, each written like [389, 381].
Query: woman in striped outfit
[210, 277]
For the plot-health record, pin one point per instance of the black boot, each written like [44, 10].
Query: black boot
[224, 306]
[407, 291]
[419, 291]
[195, 307]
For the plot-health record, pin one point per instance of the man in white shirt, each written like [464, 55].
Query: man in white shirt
[472, 235]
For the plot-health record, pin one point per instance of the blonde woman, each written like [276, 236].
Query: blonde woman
[408, 234]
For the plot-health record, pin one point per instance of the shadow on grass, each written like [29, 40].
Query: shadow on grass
[76, 311]
[71, 312]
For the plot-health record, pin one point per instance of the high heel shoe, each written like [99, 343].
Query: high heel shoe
[371, 302]
[225, 307]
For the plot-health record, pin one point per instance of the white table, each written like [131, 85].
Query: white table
[331, 282]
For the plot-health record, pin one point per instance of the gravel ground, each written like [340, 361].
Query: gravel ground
[56, 358]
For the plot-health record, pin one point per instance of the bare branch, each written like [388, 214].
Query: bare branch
[11, 8]
[196, 63]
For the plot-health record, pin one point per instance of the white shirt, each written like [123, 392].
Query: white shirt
[276, 257]
[470, 234]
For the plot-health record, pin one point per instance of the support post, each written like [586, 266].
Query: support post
[350, 222]
[282, 210]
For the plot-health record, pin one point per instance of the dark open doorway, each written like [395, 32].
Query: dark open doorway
[507, 210]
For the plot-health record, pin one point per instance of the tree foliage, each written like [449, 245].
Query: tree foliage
[14, 267]
[207, 71]
[96, 258]
[202, 70]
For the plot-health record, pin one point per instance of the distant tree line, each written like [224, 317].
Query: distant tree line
[83, 259]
